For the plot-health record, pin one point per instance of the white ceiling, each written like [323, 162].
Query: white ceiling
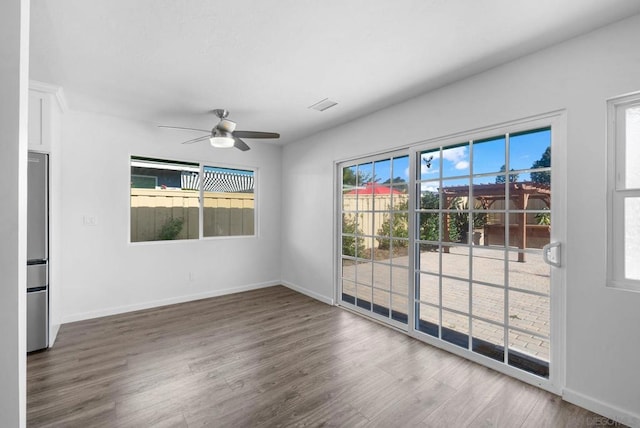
[171, 61]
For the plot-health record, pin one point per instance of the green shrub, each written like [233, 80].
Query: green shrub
[171, 229]
[351, 246]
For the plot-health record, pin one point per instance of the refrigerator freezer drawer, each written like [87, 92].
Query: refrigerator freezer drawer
[36, 275]
[37, 325]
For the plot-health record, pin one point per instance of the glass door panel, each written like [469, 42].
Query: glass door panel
[483, 215]
[375, 237]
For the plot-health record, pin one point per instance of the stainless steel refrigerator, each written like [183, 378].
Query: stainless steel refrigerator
[38, 252]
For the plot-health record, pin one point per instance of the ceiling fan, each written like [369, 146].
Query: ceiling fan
[224, 134]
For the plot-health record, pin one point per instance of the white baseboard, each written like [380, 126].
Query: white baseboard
[604, 409]
[307, 292]
[53, 334]
[164, 302]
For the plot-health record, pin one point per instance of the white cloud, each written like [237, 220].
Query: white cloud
[462, 164]
[455, 154]
[424, 170]
[425, 187]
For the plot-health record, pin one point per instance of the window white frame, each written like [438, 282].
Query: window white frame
[200, 168]
[617, 191]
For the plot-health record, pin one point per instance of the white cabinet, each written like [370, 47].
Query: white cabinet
[40, 133]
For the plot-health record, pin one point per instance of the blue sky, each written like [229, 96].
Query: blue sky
[488, 158]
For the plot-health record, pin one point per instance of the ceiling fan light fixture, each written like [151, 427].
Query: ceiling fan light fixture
[222, 140]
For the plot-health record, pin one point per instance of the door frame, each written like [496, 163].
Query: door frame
[557, 121]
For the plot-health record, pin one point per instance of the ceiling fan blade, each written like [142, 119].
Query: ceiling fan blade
[195, 140]
[255, 134]
[239, 144]
[186, 129]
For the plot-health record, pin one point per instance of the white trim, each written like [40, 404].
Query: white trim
[307, 292]
[617, 193]
[164, 302]
[53, 333]
[47, 88]
[605, 409]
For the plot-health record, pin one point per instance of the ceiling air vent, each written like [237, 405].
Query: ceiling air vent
[323, 105]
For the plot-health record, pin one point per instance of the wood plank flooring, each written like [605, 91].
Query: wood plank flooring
[269, 357]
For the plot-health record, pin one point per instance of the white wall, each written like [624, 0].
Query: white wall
[14, 75]
[103, 273]
[603, 342]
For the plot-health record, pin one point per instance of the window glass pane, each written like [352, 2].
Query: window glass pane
[488, 339]
[429, 195]
[164, 200]
[364, 296]
[632, 238]
[428, 319]
[531, 149]
[349, 178]
[430, 164]
[455, 261]
[489, 192]
[488, 265]
[429, 226]
[364, 175]
[456, 227]
[399, 308]
[382, 276]
[526, 194]
[348, 291]
[456, 193]
[632, 147]
[455, 294]
[529, 312]
[381, 302]
[489, 155]
[526, 233]
[428, 258]
[488, 303]
[428, 289]
[455, 328]
[229, 202]
[528, 271]
[382, 172]
[400, 280]
[400, 170]
[455, 160]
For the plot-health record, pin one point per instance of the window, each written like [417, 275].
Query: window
[228, 202]
[624, 192]
[166, 194]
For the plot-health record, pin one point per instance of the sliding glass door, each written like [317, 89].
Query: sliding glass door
[484, 217]
[374, 274]
[455, 242]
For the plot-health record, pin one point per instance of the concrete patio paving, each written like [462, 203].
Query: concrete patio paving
[385, 283]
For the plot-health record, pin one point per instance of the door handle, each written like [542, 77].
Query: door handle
[551, 254]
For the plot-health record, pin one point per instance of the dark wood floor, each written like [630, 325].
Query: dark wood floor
[270, 357]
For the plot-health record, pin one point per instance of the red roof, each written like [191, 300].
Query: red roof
[373, 189]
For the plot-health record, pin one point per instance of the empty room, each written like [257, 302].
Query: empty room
[355, 213]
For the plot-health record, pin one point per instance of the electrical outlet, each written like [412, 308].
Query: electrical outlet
[90, 220]
[192, 276]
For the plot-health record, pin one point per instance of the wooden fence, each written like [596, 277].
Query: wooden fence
[224, 214]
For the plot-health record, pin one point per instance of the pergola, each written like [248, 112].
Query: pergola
[520, 194]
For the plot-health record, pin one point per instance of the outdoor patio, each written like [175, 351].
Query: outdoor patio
[385, 283]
